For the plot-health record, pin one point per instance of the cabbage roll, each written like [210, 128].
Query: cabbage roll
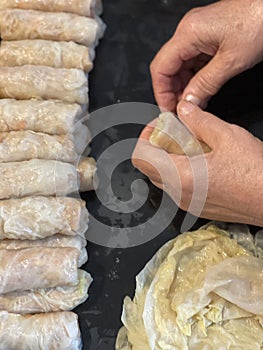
[32, 218]
[45, 53]
[52, 331]
[81, 137]
[37, 177]
[171, 135]
[51, 117]
[87, 8]
[56, 241]
[38, 267]
[49, 299]
[87, 169]
[30, 24]
[17, 146]
[22, 83]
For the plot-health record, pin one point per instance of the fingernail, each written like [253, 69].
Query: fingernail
[186, 107]
[193, 99]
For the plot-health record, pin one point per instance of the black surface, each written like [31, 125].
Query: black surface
[136, 30]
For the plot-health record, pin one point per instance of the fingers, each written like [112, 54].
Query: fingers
[205, 126]
[197, 35]
[209, 80]
[165, 68]
[149, 160]
[168, 172]
[147, 131]
[157, 184]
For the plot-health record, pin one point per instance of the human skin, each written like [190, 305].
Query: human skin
[211, 45]
[234, 168]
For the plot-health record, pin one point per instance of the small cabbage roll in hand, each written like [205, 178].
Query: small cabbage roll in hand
[33, 218]
[45, 53]
[38, 267]
[51, 116]
[87, 8]
[171, 135]
[30, 24]
[55, 241]
[49, 299]
[22, 83]
[52, 331]
[17, 146]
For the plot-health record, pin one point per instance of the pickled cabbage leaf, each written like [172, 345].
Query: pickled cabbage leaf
[202, 290]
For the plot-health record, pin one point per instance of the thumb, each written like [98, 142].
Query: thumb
[208, 80]
[205, 126]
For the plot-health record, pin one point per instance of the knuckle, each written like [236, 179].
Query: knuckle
[237, 132]
[192, 15]
[187, 183]
[186, 178]
[227, 136]
[234, 62]
[191, 20]
[235, 129]
[229, 60]
[206, 82]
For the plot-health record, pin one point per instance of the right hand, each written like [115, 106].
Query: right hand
[229, 178]
[211, 45]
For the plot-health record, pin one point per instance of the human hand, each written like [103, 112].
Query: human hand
[231, 174]
[211, 45]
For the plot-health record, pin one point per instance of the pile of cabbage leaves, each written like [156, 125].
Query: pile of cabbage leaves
[201, 291]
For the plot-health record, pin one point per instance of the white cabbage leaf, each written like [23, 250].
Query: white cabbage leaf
[202, 290]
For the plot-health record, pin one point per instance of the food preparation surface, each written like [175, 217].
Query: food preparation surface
[136, 30]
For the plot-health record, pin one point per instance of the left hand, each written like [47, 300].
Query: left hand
[211, 45]
[234, 168]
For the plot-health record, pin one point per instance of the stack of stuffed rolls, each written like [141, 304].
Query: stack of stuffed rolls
[46, 52]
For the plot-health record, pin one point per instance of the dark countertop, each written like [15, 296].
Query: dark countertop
[136, 30]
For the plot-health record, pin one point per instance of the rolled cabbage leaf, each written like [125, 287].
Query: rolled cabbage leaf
[37, 177]
[51, 116]
[17, 146]
[16, 24]
[47, 300]
[171, 135]
[57, 54]
[52, 331]
[56, 241]
[87, 169]
[87, 8]
[38, 217]
[26, 82]
[40, 177]
[81, 137]
[38, 267]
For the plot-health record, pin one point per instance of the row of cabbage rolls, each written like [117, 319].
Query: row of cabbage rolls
[47, 49]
